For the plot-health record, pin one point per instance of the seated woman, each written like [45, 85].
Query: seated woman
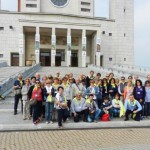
[116, 105]
[93, 110]
[106, 108]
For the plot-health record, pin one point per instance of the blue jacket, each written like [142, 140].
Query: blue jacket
[136, 106]
[88, 91]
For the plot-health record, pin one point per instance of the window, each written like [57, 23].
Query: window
[124, 34]
[1, 28]
[110, 34]
[103, 32]
[124, 10]
[31, 5]
[85, 3]
[1, 55]
[85, 9]
[124, 59]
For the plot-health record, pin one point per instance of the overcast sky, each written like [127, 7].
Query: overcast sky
[142, 25]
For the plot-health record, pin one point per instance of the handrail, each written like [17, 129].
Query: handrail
[6, 87]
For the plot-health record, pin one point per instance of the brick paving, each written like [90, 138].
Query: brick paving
[114, 139]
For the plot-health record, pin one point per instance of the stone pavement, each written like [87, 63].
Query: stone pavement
[10, 122]
[114, 139]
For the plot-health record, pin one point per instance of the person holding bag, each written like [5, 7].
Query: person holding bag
[17, 91]
[49, 94]
[36, 94]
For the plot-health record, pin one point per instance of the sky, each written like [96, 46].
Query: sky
[141, 25]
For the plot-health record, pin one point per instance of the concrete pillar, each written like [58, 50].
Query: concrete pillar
[68, 60]
[21, 48]
[83, 48]
[98, 48]
[37, 45]
[53, 47]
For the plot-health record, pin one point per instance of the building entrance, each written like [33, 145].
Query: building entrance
[74, 59]
[14, 59]
[60, 57]
[45, 58]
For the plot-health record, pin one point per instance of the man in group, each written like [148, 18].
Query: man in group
[133, 107]
[77, 107]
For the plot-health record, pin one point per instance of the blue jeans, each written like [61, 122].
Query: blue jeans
[63, 114]
[49, 111]
[116, 112]
[96, 115]
[147, 109]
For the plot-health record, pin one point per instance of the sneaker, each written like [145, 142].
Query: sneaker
[51, 122]
[24, 118]
[60, 127]
[126, 119]
[47, 122]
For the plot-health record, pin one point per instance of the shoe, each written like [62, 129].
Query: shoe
[47, 122]
[126, 119]
[96, 121]
[60, 127]
[24, 118]
[29, 118]
[51, 122]
[15, 113]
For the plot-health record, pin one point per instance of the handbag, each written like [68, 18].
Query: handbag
[33, 102]
[17, 91]
[105, 117]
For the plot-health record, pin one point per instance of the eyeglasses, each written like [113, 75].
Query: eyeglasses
[122, 79]
[47, 83]
[37, 82]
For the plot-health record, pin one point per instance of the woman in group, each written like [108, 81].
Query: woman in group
[36, 93]
[147, 99]
[67, 91]
[139, 94]
[105, 88]
[92, 89]
[112, 89]
[61, 106]
[26, 105]
[128, 90]
[49, 99]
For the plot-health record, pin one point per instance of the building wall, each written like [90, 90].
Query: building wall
[116, 46]
[74, 7]
[122, 45]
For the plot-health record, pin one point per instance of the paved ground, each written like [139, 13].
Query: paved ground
[114, 139]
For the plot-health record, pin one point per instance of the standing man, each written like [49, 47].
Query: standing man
[89, 78]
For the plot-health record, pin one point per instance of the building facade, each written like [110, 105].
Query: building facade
[66, 33]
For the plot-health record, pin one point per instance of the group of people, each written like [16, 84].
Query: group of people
[91, 98]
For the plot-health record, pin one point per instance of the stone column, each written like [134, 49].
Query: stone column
[53, 47]
[98, 48]
[21, 48]
[37, 45]
[68, 60]
[83, 48]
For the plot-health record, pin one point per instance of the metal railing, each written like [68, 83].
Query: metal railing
[6, 87]
[3, 64]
